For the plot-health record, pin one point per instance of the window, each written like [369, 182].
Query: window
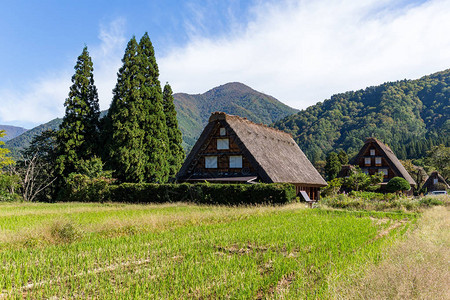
[223, 144]
[365, 171]
[384, 171]
[378, 161]
[236, 161]
[211, 162]
[372, 152]
[367, 161]
[223, 131]
[435, 180]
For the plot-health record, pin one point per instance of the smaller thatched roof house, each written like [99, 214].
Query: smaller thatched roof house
[435, 182]
[234, 149]
[376, 157]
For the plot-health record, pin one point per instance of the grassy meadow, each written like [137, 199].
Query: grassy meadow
[173, 251]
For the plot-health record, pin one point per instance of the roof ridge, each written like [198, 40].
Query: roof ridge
[218, 115]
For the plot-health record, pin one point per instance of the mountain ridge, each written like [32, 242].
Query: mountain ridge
[193, 111]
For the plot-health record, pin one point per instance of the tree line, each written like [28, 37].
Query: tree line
[137, 141]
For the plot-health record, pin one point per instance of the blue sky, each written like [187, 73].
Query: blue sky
[300, 52]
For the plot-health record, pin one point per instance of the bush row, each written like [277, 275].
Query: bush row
[201, 193]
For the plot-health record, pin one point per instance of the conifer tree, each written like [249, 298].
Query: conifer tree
[176, 152]
[135, 127]
[78, 135]
[156, 139]
[124, 133]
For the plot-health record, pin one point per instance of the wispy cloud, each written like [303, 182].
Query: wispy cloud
[302, 52]
[44, 97]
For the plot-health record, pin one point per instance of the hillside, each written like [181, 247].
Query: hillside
[235, 98]
[193, 112]
[409, 115]
[11, 132]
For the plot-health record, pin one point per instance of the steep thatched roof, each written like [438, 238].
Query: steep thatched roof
[434, 175]
[390, 156]
[273, 153]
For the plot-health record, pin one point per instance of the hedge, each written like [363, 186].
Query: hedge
[201, 193]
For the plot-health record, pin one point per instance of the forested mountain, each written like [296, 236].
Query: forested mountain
[193, 112]
[409, 115]
[11, 132]
[234, 98]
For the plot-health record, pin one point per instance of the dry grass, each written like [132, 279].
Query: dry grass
[416, 267]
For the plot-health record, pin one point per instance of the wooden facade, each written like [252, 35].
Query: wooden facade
[435, 182]
[375, 157]
[235, 150]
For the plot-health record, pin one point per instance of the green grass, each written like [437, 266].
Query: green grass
[185, 251]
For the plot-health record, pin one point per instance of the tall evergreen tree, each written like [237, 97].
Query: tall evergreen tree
[124, 135]
[176, 151]
[135, 127]
[78, 135]
[156, 139]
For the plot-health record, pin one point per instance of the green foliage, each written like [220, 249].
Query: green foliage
[9, 186]
[439, 158]
[398, 184]
[176, 152]
[359, 181]
[411, 116]
[343, 157]
[333, 166]
[78, 136]
[135, 127]
[333, 187]
[65, 232]
[83, 189]
[4, 160]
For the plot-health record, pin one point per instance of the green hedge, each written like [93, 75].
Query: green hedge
[201, 193]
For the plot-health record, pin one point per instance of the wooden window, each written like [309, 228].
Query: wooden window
[223, 131]
[365, 171]
[372, 152]
[377, 161]
[236, 161]
[367, 161]
[211, 162]
[223, 144]
[384, 171]
[435, 180]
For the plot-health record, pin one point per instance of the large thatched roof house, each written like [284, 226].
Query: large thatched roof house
[376, 157]
[234, 149]
[435, 182]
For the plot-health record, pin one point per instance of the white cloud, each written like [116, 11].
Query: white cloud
[107, 59]
[43, 98]
[302, 52]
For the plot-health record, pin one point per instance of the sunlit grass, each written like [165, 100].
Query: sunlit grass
[185, 251]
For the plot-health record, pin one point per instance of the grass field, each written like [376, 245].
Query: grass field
[173, 251]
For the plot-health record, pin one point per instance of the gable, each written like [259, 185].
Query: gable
[267, 153]
[376, 157]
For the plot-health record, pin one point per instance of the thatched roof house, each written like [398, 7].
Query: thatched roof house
[376, 157]
[435, 182]
[234, 149]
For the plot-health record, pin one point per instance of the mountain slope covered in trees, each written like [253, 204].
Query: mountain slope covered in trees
[234, 98]
[409, 115]
[11, 132]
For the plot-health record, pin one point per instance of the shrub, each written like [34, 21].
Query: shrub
[201, 193]
[398, 184]
[65, 232]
